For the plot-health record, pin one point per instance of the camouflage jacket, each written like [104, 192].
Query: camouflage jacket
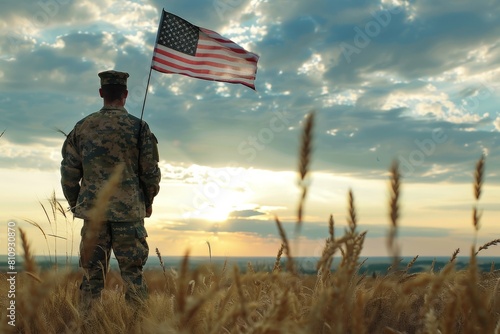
[92, 150]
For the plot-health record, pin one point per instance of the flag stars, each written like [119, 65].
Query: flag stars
[178, 34]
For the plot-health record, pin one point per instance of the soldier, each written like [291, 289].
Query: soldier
[91, 152]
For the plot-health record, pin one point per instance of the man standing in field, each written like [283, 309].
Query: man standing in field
[92, 151]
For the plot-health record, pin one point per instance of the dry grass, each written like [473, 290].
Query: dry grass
[211, 299]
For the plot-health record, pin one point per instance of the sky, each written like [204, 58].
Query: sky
[389, 80]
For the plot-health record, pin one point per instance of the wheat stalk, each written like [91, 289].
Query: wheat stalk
[304, 162]
[411, 263]
[182, 279]
[331, 228]
[476, 218]
[195, 307]
[352, 219]
[277, 266]
[209, 250]
[239, 289]
[454, 255]
[162, 265]
[29, 262]
[478, 305]
[250, 267]
[479, 177]
[478, 183]
[433, 265]
[98, 211]
[34, 223]
[50, 224]
[488, 244]
[394, 266]
[324, 262]
[395, 193]
[395, 186]
[290, 266]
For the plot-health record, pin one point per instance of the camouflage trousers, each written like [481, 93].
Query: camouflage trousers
[128, 242]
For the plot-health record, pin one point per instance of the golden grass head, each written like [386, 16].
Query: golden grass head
[479, 177]
[304, 165]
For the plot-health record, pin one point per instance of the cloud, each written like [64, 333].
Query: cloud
[412, 78]
[496, 123]
[467, 207]
[245, 214]
[45, 156]
[310, 230]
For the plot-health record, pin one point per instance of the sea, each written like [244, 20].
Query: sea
[305, 265]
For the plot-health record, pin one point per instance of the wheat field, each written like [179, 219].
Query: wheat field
[221, 299]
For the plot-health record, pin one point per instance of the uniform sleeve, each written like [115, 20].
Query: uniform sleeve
[149, 172]
[71, 170]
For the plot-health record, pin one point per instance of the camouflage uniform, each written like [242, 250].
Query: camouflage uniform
[91, 151]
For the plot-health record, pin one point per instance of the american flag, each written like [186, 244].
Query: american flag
[184, 48]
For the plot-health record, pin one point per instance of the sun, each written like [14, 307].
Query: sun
[213, 214]
[217, 213]
[218, 208]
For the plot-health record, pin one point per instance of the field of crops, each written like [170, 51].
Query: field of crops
[222, 299]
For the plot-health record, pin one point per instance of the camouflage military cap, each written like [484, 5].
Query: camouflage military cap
[113, 78]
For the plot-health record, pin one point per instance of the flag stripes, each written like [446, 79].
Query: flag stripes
[215, 58]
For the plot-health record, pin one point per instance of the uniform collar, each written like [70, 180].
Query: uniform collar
[113, 108]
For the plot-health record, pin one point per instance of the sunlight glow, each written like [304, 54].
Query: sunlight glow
[216, 214]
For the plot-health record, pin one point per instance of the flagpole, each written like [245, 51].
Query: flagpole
[145, 95]
[147, 85]
[139, 135]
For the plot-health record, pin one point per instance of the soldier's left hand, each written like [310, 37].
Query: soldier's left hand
[149, 211]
